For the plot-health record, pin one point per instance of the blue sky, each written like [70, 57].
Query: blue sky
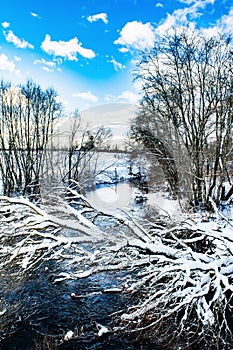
[87, 49]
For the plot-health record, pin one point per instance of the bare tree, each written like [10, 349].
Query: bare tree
[27, 114]
[81, 163]
[72, 157]
[186, 111]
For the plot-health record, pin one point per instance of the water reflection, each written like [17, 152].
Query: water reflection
[110, 198]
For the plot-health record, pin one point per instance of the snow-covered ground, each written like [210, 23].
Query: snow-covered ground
[164, 204]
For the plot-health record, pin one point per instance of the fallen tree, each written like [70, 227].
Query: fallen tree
[180, 274]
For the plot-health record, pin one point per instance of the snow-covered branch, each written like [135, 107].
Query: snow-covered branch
[30, 232]
[187, 281]
[180, 274]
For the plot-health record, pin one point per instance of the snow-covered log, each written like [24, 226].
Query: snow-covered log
[180, 274]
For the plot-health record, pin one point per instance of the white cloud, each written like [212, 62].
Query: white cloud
[159, 4]
[5, 24]
[124, 49]
[187, 2]
[167, 24]
[7, 65]
[35, 15]
[48, 66]
[86, 96]
[136, 35]
[184, 16]
[224, 24]
[110, 98]
[66, 49]
[20, 43]
[117, 65]
[125, 97]
[100, 16]
[17, 58]
[129, 97]
[198, 2]
[57, 60]
[47, 69]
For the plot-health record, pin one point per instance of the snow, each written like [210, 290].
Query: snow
[68, 335]
[1, 186]
[177, 254]
[3, 312]
[101, 329]
[108, 194]
[111, 194]
[103, 179]
[154, 248]
[164, 204]
[114, 169]
[112, 290]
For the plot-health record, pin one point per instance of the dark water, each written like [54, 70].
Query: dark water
[37, 307]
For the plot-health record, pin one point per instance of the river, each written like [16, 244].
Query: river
[40, 312]
[42, 307]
